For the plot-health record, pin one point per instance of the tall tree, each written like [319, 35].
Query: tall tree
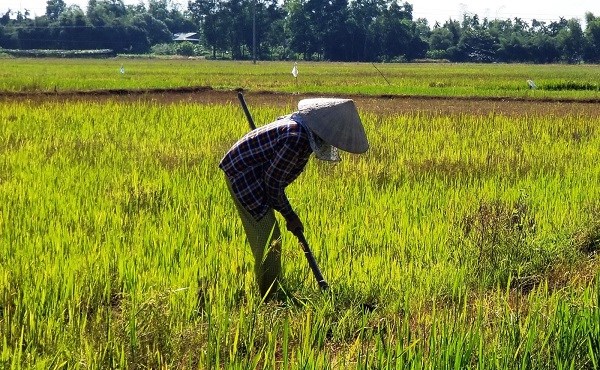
[592, 35]
[5, 19]
[273, 22]
[335, 30]
[73, 29]
[572, 41]
[106, 12]
[214, 22]
[440, 43]
[303, 39]
[54, 8]
[477, 45]
[543, 48]
[156, 30]
[400, 35]
[361, 23]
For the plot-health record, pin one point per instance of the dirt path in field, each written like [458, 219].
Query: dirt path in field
[377, 104]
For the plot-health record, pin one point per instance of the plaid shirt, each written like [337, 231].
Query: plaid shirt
[263, 162]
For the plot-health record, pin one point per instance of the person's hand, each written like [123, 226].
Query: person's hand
[293, 224]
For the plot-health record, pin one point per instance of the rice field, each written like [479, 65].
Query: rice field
[445, 79]
[459, 240]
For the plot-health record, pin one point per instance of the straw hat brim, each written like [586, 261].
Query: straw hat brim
[335, 121]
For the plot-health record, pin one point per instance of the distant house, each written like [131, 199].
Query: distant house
[186, 36]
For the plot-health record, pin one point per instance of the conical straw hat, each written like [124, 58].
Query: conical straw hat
[336, 121]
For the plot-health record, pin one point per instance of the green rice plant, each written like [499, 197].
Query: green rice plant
[120, 247]
[572, 85]
[492, 81]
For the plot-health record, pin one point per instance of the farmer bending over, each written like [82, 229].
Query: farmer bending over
[266, 160]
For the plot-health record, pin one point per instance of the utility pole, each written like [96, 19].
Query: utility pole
[254, 31]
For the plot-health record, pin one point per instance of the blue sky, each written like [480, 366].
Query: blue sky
[433, 10]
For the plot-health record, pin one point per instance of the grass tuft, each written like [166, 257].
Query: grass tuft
[501, 239]
[587, 240]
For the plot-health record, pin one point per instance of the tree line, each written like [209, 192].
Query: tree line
[334, 30]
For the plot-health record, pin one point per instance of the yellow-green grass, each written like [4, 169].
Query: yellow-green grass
[456, 242]
[469, 80]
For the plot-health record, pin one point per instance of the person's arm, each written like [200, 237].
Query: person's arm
[284, 168]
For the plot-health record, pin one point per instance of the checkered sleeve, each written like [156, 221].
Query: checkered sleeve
[284, 169]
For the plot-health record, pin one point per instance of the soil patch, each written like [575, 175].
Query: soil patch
[383, 104]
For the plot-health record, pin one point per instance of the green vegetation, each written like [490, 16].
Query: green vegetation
[460, 241]
[41, 53]
[339, 30]
[455, 80]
